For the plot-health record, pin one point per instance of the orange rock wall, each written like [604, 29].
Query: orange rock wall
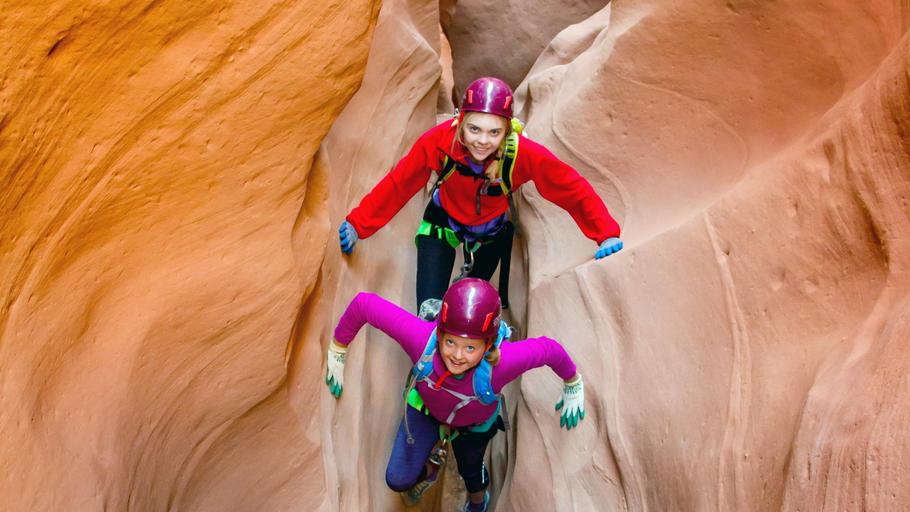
[154, 158]
[173, 178]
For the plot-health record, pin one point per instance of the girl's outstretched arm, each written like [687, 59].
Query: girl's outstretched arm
[519, 357]
[394, 190]
[402, 326]
[409, 331]
[562, 185]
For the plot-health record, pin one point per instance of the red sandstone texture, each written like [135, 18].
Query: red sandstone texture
[154, 158]
[173, 176]
[505, 38]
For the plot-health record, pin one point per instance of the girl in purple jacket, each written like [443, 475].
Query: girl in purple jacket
[459, 374]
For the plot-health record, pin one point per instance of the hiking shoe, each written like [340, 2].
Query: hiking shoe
[412, 496]
[429, 310]
[477, 507]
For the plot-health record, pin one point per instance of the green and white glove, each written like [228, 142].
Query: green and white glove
[572, 403]
[334, 368]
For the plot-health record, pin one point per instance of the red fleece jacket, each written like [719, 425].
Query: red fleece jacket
[556, 181]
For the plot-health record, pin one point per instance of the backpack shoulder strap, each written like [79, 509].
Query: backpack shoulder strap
[483, 374]
[483, 383]
[507, 162]
[448, 167]
[424, 365]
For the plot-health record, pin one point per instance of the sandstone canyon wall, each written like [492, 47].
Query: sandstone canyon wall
[155, 157]
[506, 39]
[173, 177]
[746, 338]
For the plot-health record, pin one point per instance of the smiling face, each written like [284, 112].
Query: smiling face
[460, 354]
[482, 134]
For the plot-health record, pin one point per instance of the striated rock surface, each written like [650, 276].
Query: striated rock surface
[173, 176]
[154, 157]
[744, 344]
[503, 39]
[395, 104]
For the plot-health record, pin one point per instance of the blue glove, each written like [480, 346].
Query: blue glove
[347, 236]
[608, 247]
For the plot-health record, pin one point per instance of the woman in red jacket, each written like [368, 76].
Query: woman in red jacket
[479, 166]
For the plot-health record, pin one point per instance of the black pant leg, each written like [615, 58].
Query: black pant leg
[486, 259]
[435, 259]
[469, 449]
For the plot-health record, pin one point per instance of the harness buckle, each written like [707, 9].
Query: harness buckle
[468, 263]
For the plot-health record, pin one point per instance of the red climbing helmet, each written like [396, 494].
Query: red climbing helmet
[490, 95]
[470, 308]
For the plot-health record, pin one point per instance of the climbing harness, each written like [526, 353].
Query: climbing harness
[503, 238]
[440, 451]
[468, 265]
[482, 384]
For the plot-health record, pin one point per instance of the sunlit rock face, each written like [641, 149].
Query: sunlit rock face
[154, 159]
[395, 104]
[503, 39]
[744, 350]
[173, 178]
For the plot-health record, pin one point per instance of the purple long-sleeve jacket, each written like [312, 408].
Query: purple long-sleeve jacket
[412, 334]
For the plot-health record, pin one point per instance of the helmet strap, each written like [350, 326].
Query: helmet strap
[442, 379]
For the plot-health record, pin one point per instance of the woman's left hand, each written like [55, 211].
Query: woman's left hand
[608, 247]
[572, 403]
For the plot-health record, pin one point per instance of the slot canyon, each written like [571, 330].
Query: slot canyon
[174, 175]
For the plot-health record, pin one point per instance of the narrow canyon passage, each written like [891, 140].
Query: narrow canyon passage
[174, 176]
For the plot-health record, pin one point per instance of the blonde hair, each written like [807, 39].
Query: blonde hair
[459, 131]
[492, 356]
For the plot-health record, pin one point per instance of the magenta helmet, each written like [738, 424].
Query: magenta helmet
[490, 95]
[470, 308]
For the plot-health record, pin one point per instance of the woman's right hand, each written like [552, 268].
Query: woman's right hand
[334, 368]
[347, 237]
